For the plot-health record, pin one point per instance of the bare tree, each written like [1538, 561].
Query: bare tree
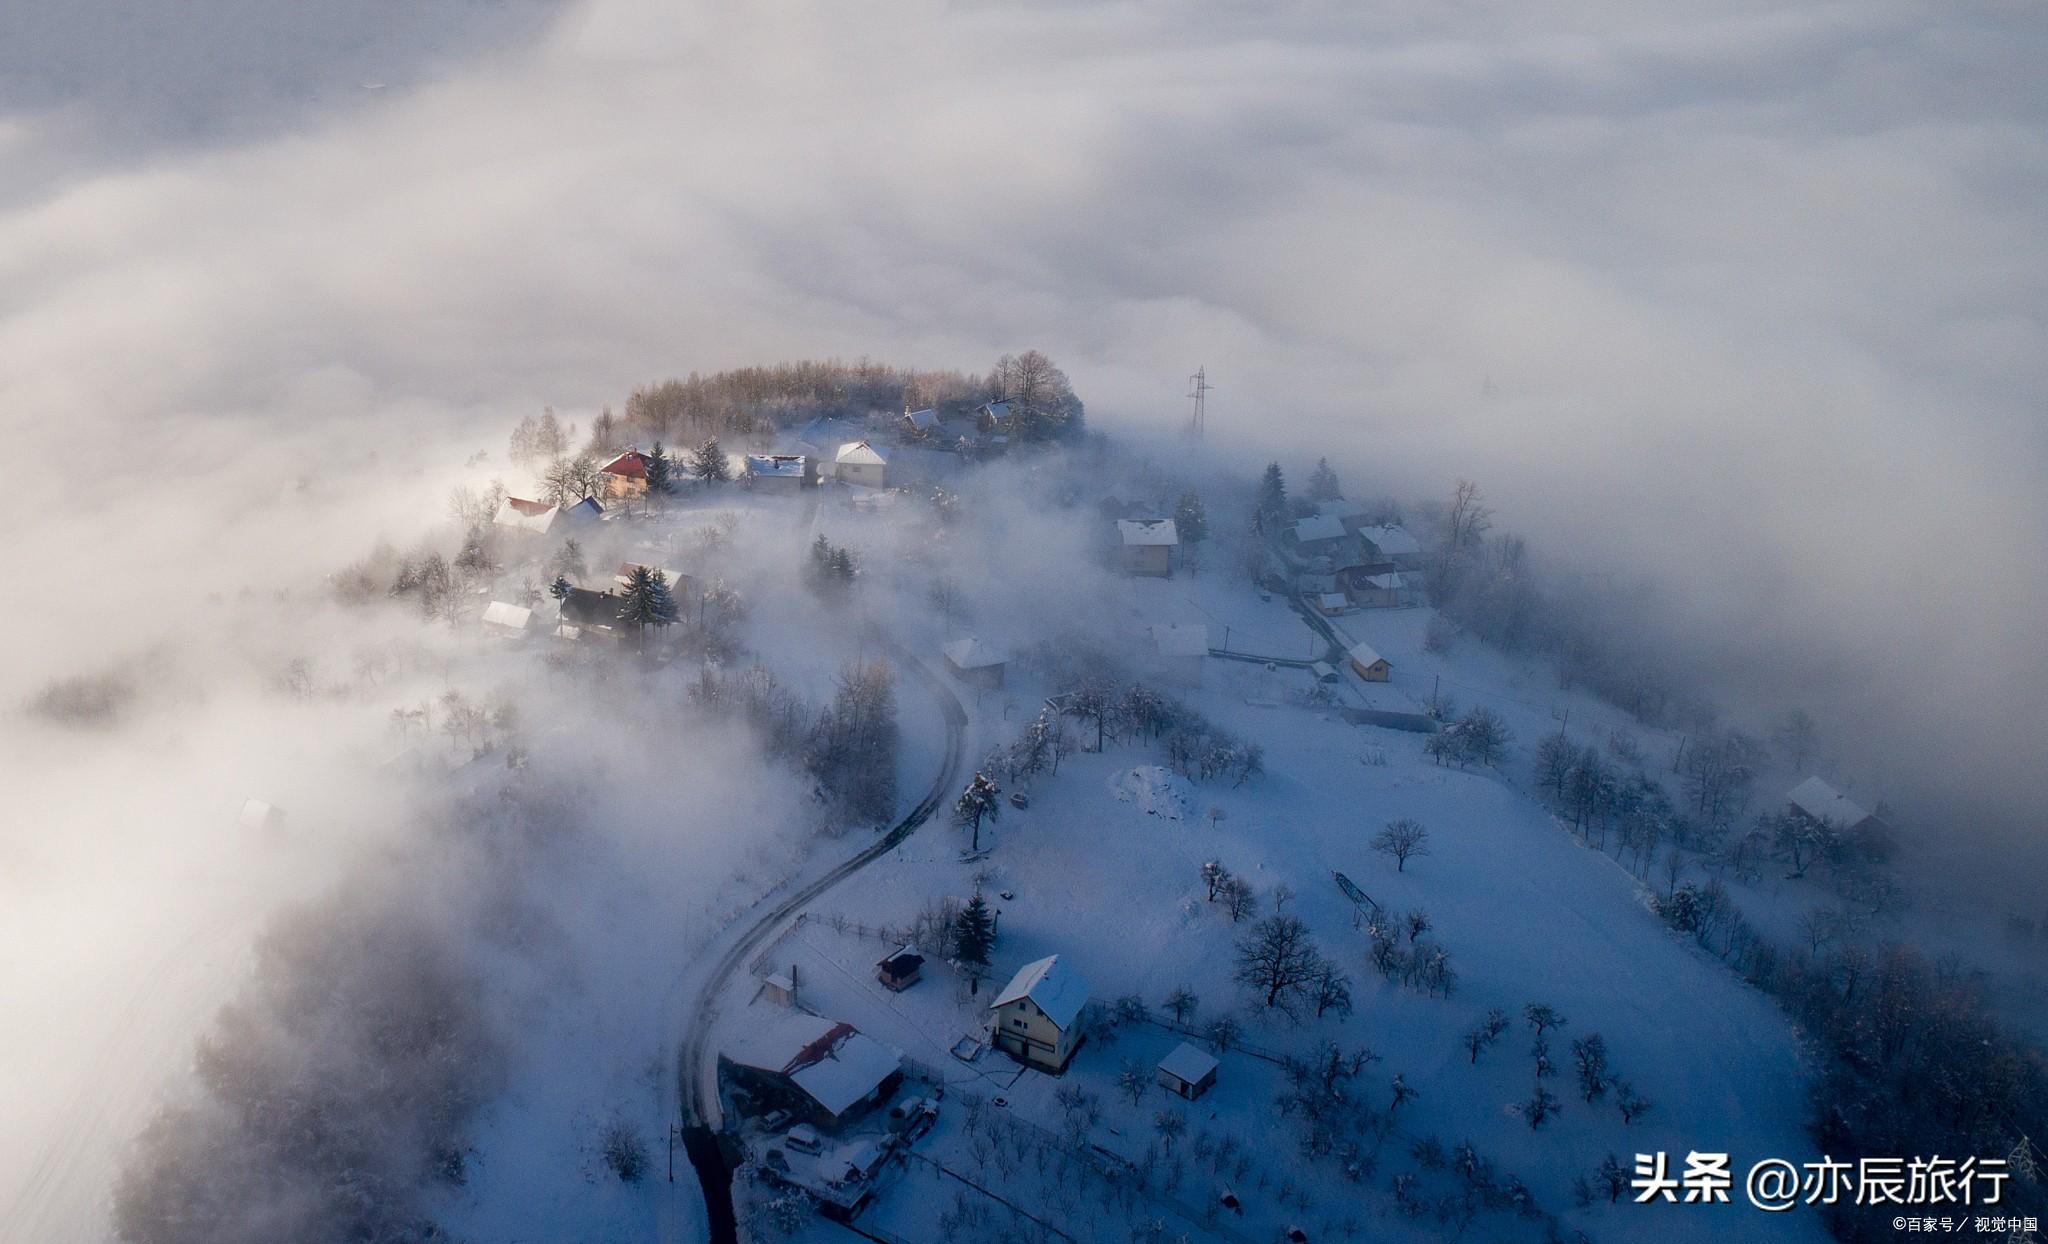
[1331, 990]
[1485, 1033]
[1239, 899]
[1402, 840]
[1542, 1017]
[946, 596]
[1132, 1081]
[1797, 737]
[1278, 958]
[1469, 517]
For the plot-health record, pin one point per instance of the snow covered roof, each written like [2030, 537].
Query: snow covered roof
[511, 617]
[998, 409]
[1182, 639]
[860, 453]
[1327, 601]
[972, 654]
[587, 508]
[1364, 654]
[524, 515]
[1188, 1063]
[1823, 802]
[1392, 540]
[832, 1061]
[1052, 988]
[1319, 527]
[1147, 531]
[1389, 582]
[632, 465]
[922, 420]
[905, 956]
[783, 465]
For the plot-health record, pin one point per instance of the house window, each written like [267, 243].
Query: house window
[1017, 1023]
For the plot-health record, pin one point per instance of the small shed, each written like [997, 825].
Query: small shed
[900, 968]
[779, 988]
[975, 663]
[1188, 1071]
[1323, 671]
[1146, 546]
[1329, 604]
[920, 422]
[1370, 665]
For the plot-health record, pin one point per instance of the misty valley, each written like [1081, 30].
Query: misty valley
[1140, 622]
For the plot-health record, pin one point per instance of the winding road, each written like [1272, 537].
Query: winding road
[696, 1065]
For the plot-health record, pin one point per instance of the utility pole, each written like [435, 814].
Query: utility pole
[1198, 393]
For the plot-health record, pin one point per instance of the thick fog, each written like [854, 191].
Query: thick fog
[1736, 313]
[1748, 302]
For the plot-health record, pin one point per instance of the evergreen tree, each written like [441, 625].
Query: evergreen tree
[1322, 482]
[1190, 519]
[560, 588]
[708, 463]
[661, 478]
[1269, 512]
[974, 937]
[647, 602]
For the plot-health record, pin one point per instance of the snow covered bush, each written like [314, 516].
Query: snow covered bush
[622, 1150]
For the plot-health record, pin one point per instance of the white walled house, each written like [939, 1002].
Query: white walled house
[861, 464]
[1037, 1015]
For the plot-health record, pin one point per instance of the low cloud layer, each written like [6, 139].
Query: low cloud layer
[1749, 303]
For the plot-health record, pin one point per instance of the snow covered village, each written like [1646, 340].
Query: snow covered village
[1023, 625]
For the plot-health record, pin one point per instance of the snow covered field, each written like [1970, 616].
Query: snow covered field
[1528, 914]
